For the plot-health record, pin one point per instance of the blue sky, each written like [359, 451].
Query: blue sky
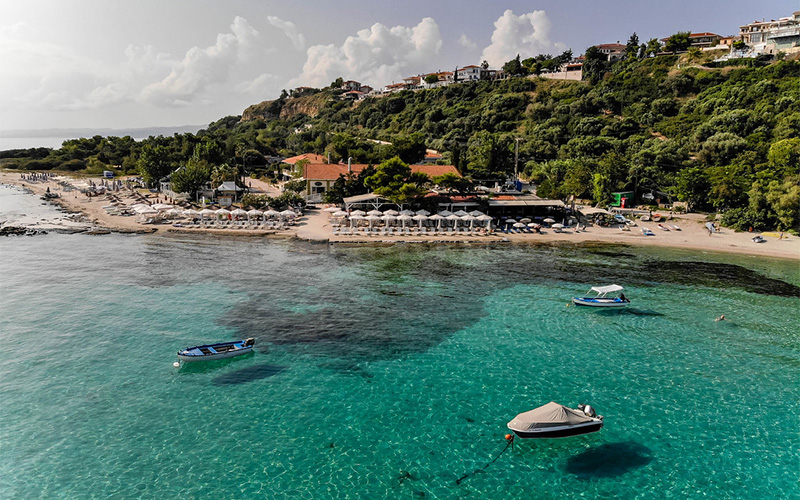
[104, 63]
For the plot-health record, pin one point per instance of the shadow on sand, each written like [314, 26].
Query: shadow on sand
[609, 460]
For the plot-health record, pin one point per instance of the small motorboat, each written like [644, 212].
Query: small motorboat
[675, 227]
[647, 232]
[663, 227]
[758, 239]
[220, 350]
[601, 299]
[555, 421]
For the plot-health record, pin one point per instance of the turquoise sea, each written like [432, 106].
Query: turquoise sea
[391, 372]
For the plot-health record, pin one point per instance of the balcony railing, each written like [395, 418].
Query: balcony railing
[784, 32]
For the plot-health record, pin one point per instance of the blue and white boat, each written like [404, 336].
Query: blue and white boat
[601, 299]
[220, 350]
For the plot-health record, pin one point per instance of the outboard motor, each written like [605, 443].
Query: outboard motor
[588, 410]
[249, 342]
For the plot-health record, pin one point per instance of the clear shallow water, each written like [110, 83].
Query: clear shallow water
[390, 372]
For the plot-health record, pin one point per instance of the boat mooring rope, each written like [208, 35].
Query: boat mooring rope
[509, 444]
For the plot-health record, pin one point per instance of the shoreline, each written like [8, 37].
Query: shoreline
[314, 227]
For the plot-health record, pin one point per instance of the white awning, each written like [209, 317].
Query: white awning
[607, 289]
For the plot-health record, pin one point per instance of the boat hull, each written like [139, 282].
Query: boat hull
[219, 355]
[559, 432]
[595, 302]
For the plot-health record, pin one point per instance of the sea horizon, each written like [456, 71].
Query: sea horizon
[54, 137]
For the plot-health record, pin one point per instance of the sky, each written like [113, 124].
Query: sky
[147, 63]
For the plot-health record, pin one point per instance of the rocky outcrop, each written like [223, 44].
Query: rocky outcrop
[286, 109]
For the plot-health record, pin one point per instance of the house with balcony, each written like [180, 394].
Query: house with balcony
[612, 51]
[469, 73]
[771, 37]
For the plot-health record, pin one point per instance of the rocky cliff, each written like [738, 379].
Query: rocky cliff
[286, 109]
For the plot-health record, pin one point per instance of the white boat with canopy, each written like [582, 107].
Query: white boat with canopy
[601, 298]
[554, 421]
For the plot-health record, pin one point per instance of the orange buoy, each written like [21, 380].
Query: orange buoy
[509, 437]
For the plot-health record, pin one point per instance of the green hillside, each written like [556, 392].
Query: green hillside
[723, 138]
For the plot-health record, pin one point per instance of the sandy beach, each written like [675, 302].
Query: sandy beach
[315, 226]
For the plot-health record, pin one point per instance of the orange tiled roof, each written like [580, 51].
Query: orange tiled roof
[331, 172]
[312, 157]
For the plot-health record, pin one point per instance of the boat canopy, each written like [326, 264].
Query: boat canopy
[550, 415]
[607, 289]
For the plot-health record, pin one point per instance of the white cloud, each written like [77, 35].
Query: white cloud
[377, 55]
[201, 68]
[526, 34]
[465, 41]
[260, 85]
[290, 30]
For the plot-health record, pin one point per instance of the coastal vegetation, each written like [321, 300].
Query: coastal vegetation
[723, 139]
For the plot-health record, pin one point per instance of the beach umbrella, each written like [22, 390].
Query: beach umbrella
[387, 219]
[476, 213]
[469, 218]
[254, 213]
[438, 218]
[146, 211]
[391, 212]
[377, 213]
[174, 211]
[139, 205]
[407, 212]
[239, 213]
[549, 220]
[206, 211]
[289, 214]
[423, 212]
[271, 213]
[454, 219]
[358, 212]
[331, 209]
[372, 219]
[405, 218]
[460, 213]
[525, 220]
[533, 224]
[354, 219]
[222, 211]
[445, 213]
[340, 213]
[519, 224]
[162, 207]
[191, 212]
[420, 218]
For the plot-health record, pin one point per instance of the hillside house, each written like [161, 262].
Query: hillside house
[612, 51]
[469, 73]
[770, 37]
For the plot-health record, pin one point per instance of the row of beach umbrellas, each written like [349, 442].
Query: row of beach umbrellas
[422, 215]
[160, 208]
[338, 212]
